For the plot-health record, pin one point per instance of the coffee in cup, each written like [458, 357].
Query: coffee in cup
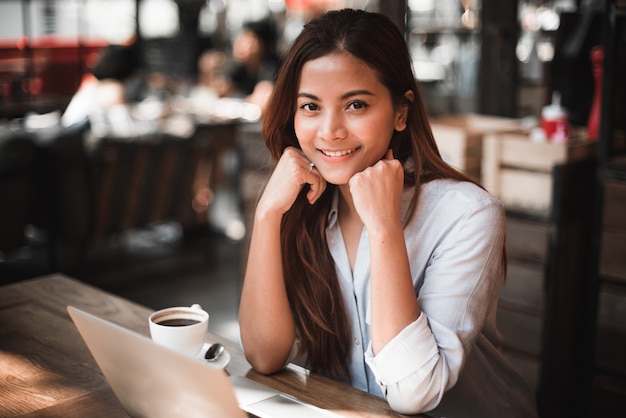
[182, 329]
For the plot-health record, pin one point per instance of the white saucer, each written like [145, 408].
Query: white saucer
[222, 360]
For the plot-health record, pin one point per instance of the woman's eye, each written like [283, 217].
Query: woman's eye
[309, 107]
[358, 105]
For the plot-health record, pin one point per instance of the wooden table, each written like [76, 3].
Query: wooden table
[46, 369]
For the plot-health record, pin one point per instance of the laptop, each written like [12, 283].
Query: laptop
[152, 381]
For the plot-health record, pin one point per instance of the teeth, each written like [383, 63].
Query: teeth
[338, 153]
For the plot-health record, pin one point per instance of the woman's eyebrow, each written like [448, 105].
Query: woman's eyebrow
[308, 95]
[356, 93]
[343, 96]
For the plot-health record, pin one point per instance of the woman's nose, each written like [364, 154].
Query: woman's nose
[332, 127]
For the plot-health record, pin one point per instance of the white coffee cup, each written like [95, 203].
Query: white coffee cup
[182, 329]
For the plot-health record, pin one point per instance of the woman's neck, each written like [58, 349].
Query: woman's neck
[350, 223]
[345, 198]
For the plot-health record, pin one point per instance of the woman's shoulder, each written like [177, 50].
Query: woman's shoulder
[459, 193]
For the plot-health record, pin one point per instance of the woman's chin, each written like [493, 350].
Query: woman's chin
[337, 181]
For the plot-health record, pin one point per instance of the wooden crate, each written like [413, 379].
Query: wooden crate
[519, 171]
[460, 138]
[613, 239]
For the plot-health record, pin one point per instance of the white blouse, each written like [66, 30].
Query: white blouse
[448, 361]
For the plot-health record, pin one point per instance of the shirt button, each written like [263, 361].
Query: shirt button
[357, 342]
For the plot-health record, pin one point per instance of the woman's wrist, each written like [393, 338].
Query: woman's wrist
[384, 231]
[267, 215]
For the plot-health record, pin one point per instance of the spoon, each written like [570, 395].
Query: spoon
[214, 351]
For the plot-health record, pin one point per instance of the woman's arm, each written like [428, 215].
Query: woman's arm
[265, 319]
[461, 278]
[266, 323]
[376, 193]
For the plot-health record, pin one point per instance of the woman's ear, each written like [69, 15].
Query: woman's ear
[403, 112]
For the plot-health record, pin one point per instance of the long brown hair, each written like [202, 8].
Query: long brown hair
[310, 277]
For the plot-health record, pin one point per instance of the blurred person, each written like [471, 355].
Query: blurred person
[212, 73]
[110, 82]
[255, 62]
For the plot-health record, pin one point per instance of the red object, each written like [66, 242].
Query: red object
[593, 123]
[47, 66]
[555, 121]
[557, 130]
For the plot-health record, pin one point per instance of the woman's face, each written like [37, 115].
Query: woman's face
[344, 116]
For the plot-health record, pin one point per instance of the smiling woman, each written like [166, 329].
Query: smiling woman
[340, 125]
[371, 260]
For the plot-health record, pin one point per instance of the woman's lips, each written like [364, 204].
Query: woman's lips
[338, 153]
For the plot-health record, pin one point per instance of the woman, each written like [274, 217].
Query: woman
[255, 62]
[370, 256]
[110, 83]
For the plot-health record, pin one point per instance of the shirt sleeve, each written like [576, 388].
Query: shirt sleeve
[460, 287]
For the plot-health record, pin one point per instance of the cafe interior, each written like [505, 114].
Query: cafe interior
[141, 180]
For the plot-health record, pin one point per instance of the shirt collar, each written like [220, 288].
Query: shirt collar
[332, 214]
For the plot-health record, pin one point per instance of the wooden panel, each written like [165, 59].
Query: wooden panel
[610, 351]
[523, 289]
[614, 215]
[611, 334]
[613, 254]
[519, 151]
[521, 331]
[526, 240]
[518, 171]
[526, 366]
[567, 282]
[525, 189]
[253, 150]
[460, 138]
[608, 397]
[476, 124]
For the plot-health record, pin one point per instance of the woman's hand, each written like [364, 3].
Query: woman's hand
[292, 172]
[377, 192]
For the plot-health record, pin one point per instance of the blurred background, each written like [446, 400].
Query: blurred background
[48, 45]
[131, 155]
